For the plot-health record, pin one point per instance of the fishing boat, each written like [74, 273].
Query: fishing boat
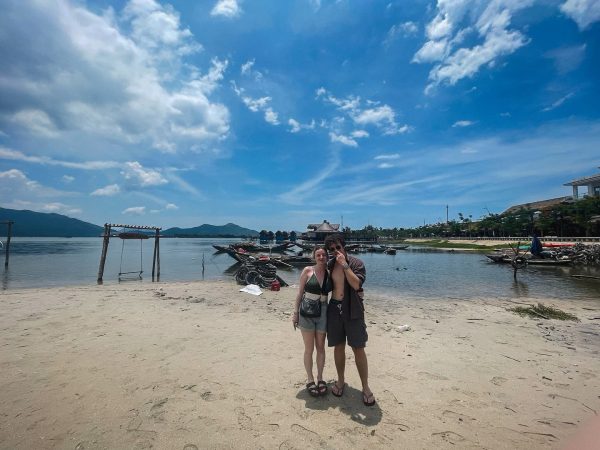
[503, 258]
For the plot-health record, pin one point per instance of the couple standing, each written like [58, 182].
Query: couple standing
[342, 319]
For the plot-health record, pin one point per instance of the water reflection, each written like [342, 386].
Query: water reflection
[520, 288]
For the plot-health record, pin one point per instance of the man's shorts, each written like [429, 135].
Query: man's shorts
[338, 329]
[318, 324]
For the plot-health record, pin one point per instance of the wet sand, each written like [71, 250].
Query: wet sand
[202, 365]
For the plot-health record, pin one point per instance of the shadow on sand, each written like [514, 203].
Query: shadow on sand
[350, 403]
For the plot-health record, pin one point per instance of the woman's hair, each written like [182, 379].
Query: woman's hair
[319, 247]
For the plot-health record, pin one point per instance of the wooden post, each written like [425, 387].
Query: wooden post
[7, 251]
[157, 254]
[104, 251]
[156, 257]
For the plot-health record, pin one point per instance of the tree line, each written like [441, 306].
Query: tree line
[577, 219]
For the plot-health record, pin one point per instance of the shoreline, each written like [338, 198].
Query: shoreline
[175, 364]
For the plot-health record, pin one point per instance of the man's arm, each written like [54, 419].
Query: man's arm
[355, 273]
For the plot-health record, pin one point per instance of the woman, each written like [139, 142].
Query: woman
[315, 285]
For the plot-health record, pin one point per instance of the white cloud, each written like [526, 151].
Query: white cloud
[171, 206]
[135, 211]
[107, 191]
[154, 27]
[122, 77]
[385, 166]
[455, 19]
[402, 29]
[60, 208]
[144, 177]
[36, 121]
[583, 12]
[226, 8]
[15, 155]
[16, 184]
[381, 116]
[67, 179]
[271, 116]
[558, 102]
[389, 156]
[359, 134]
[307, 189]
[462, 123]
[247, 67]
[297, 126]
[345, 140]
[258, 104]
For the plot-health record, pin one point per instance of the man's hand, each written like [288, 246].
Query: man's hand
[340, 258]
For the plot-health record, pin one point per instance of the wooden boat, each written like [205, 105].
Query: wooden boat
[399, 247]
[506, 259]
[390, 251]
[220, 248]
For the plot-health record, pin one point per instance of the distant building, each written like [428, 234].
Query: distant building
[319, 231]
[539, 205]
[592, 182]
[593, 190]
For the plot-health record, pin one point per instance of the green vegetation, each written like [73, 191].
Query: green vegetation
[437, 243]
[568, 219]
[544, 312]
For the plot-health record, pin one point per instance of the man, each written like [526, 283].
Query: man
[346, 315]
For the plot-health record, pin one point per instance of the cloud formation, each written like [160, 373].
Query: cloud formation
[486, 23]
[110, 76]
[107, 191]
[226, 8]
[583, 12]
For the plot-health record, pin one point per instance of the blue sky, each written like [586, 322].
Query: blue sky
[276, 114]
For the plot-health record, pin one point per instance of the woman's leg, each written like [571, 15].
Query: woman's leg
[320, 347]
[309, 345]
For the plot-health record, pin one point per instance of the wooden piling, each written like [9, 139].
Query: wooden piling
[154, 255]
[7, 249]
[104, 251]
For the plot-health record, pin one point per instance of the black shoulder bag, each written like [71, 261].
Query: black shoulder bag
[312, 308]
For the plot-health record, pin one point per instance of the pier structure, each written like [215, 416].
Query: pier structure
[130, 235]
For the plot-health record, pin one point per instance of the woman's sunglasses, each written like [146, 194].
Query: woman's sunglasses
[337, 247]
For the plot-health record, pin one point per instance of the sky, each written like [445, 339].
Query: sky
[275, 114]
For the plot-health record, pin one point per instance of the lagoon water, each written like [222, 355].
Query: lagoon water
[412, 273]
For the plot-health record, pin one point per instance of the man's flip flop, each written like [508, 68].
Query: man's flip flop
[338, 391]
[366, 399]
[312, 389]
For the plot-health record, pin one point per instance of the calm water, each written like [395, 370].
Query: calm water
[42, 262]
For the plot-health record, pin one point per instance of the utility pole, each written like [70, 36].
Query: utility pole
[446, 214]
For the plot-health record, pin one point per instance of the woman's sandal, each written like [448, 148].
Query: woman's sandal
[312, 389]
[322, 386]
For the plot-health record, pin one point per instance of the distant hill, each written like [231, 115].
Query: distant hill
[229, 230]
[35, 224]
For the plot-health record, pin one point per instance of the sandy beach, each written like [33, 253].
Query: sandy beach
[201, 365]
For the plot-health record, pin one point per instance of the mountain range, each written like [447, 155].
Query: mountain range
[36, 224]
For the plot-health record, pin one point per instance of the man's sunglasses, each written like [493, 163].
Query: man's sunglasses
[337, 247]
